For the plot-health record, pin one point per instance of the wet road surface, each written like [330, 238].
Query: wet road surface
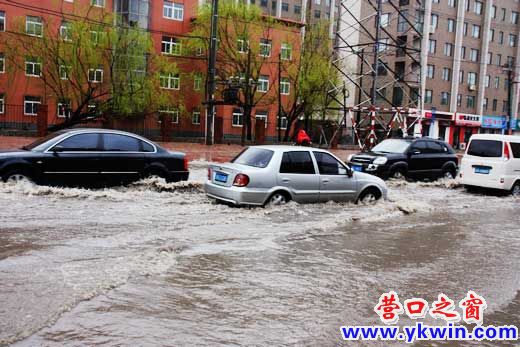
[158, 264]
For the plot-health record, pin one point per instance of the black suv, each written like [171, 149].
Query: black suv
[408, 157]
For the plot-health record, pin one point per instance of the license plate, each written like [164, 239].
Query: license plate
[357, 168]
[221, 177]
[482, 170]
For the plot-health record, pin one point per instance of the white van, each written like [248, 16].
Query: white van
[492, 161]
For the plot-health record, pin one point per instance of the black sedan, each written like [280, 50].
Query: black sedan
[408, 157]
[91, 156]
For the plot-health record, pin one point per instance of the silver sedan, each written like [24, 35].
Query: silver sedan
[263, 175]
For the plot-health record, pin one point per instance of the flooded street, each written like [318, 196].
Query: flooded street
[159, 264]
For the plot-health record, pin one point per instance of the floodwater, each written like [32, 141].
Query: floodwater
[159, 264]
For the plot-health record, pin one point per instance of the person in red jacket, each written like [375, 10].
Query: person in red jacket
[302, 139]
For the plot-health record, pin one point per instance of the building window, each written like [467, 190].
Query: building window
[474, 53]
[428, 96]
[286, 51]
[448, 49]
[485, 103]
[491, 37]
[476, 31]
[446, 74]
[497, 82]
[477, 7]
[432, 47]
[197, 82]
[265, 48]
[98, 3]
[66, 31]
[512, 40]
[297, 9]
[63, 108]
[487, 81]
[495, 102]
[171, 112]
[285, 86]
[170, 45]
[64, 72]
[2, 21]
[173, 10]
[445, 98]
[2, 63]
[242, 46]
[472, 78]
[2, 103]
[195, 117]
[170, 81]
[451, 25]
[459, 100]
[237, 118]
[34, 26]
[430, 71]
[261, 115]
[470, 101]
[282, 122]
[514, 17]
[263, 84]
[95, 75]
[285, 7]
[384, 20]
[30, 105]
[33, 67]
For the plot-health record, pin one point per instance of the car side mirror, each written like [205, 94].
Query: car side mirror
[350, 173]
[414, 152]
[57, 149]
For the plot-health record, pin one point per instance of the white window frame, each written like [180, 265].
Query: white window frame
[242, 46]
[240, 116]
[64, 72]
[173, 81]
[197, 82]
[283, 123]
[173, 11]
[34, 24]
[195, 115]
[2, 60]
[33, 64]
[263, 82]
[262, 117]
[172, 112]
[98, 3]
[65, 32]
[285, 83]
[287, 48]
[25, 102]
[173, 47]
[59, 106]
[3, 19]
[95, 75]
[2, 103]
[265, 44]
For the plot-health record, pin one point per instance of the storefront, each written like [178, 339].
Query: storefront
[465, 126]
[493, 125]
[515, 125]
[438, 124]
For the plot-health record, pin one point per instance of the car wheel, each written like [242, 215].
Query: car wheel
[449, 173]
[155, 172]
[278, 198]
[16, 176]
[369, 196]
[515, 191]
[398, 174]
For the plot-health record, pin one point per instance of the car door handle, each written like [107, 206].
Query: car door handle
[325, 180]
[286, 180]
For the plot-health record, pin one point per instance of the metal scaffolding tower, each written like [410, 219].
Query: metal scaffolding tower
[378, 49]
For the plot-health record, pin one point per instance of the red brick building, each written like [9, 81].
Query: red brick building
[169, 24]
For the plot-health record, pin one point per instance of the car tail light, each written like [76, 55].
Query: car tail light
[185, 164]
[209, 174]
[241, 180]
[507, 156]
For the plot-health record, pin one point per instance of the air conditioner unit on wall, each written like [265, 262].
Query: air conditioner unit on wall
[472, 87]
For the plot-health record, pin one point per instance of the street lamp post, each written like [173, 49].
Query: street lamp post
[211, 86]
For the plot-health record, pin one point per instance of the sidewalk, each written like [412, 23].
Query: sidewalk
[194, 151]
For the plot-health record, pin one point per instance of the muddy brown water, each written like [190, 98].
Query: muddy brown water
[160, 265]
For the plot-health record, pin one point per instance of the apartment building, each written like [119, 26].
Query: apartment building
[169, 23]
[468, 59]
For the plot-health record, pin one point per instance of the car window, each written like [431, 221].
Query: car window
[515, 148]
[420, 146]
[257, 157]
[436, 148]
[120, 143]
[297, 162]
[146, 147]
[485, 148]
[328, 165]
[80, 143]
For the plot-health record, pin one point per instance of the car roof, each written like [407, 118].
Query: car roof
[100, 130]
[495, 137]
[290, 148]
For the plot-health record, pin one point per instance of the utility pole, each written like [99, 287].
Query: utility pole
[280, 110]
[510, 83]
[211, 87]
[375, 67]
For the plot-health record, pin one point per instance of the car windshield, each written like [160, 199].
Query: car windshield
[392, 146]
[41, 141]
[485, 148]
[257, 157]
